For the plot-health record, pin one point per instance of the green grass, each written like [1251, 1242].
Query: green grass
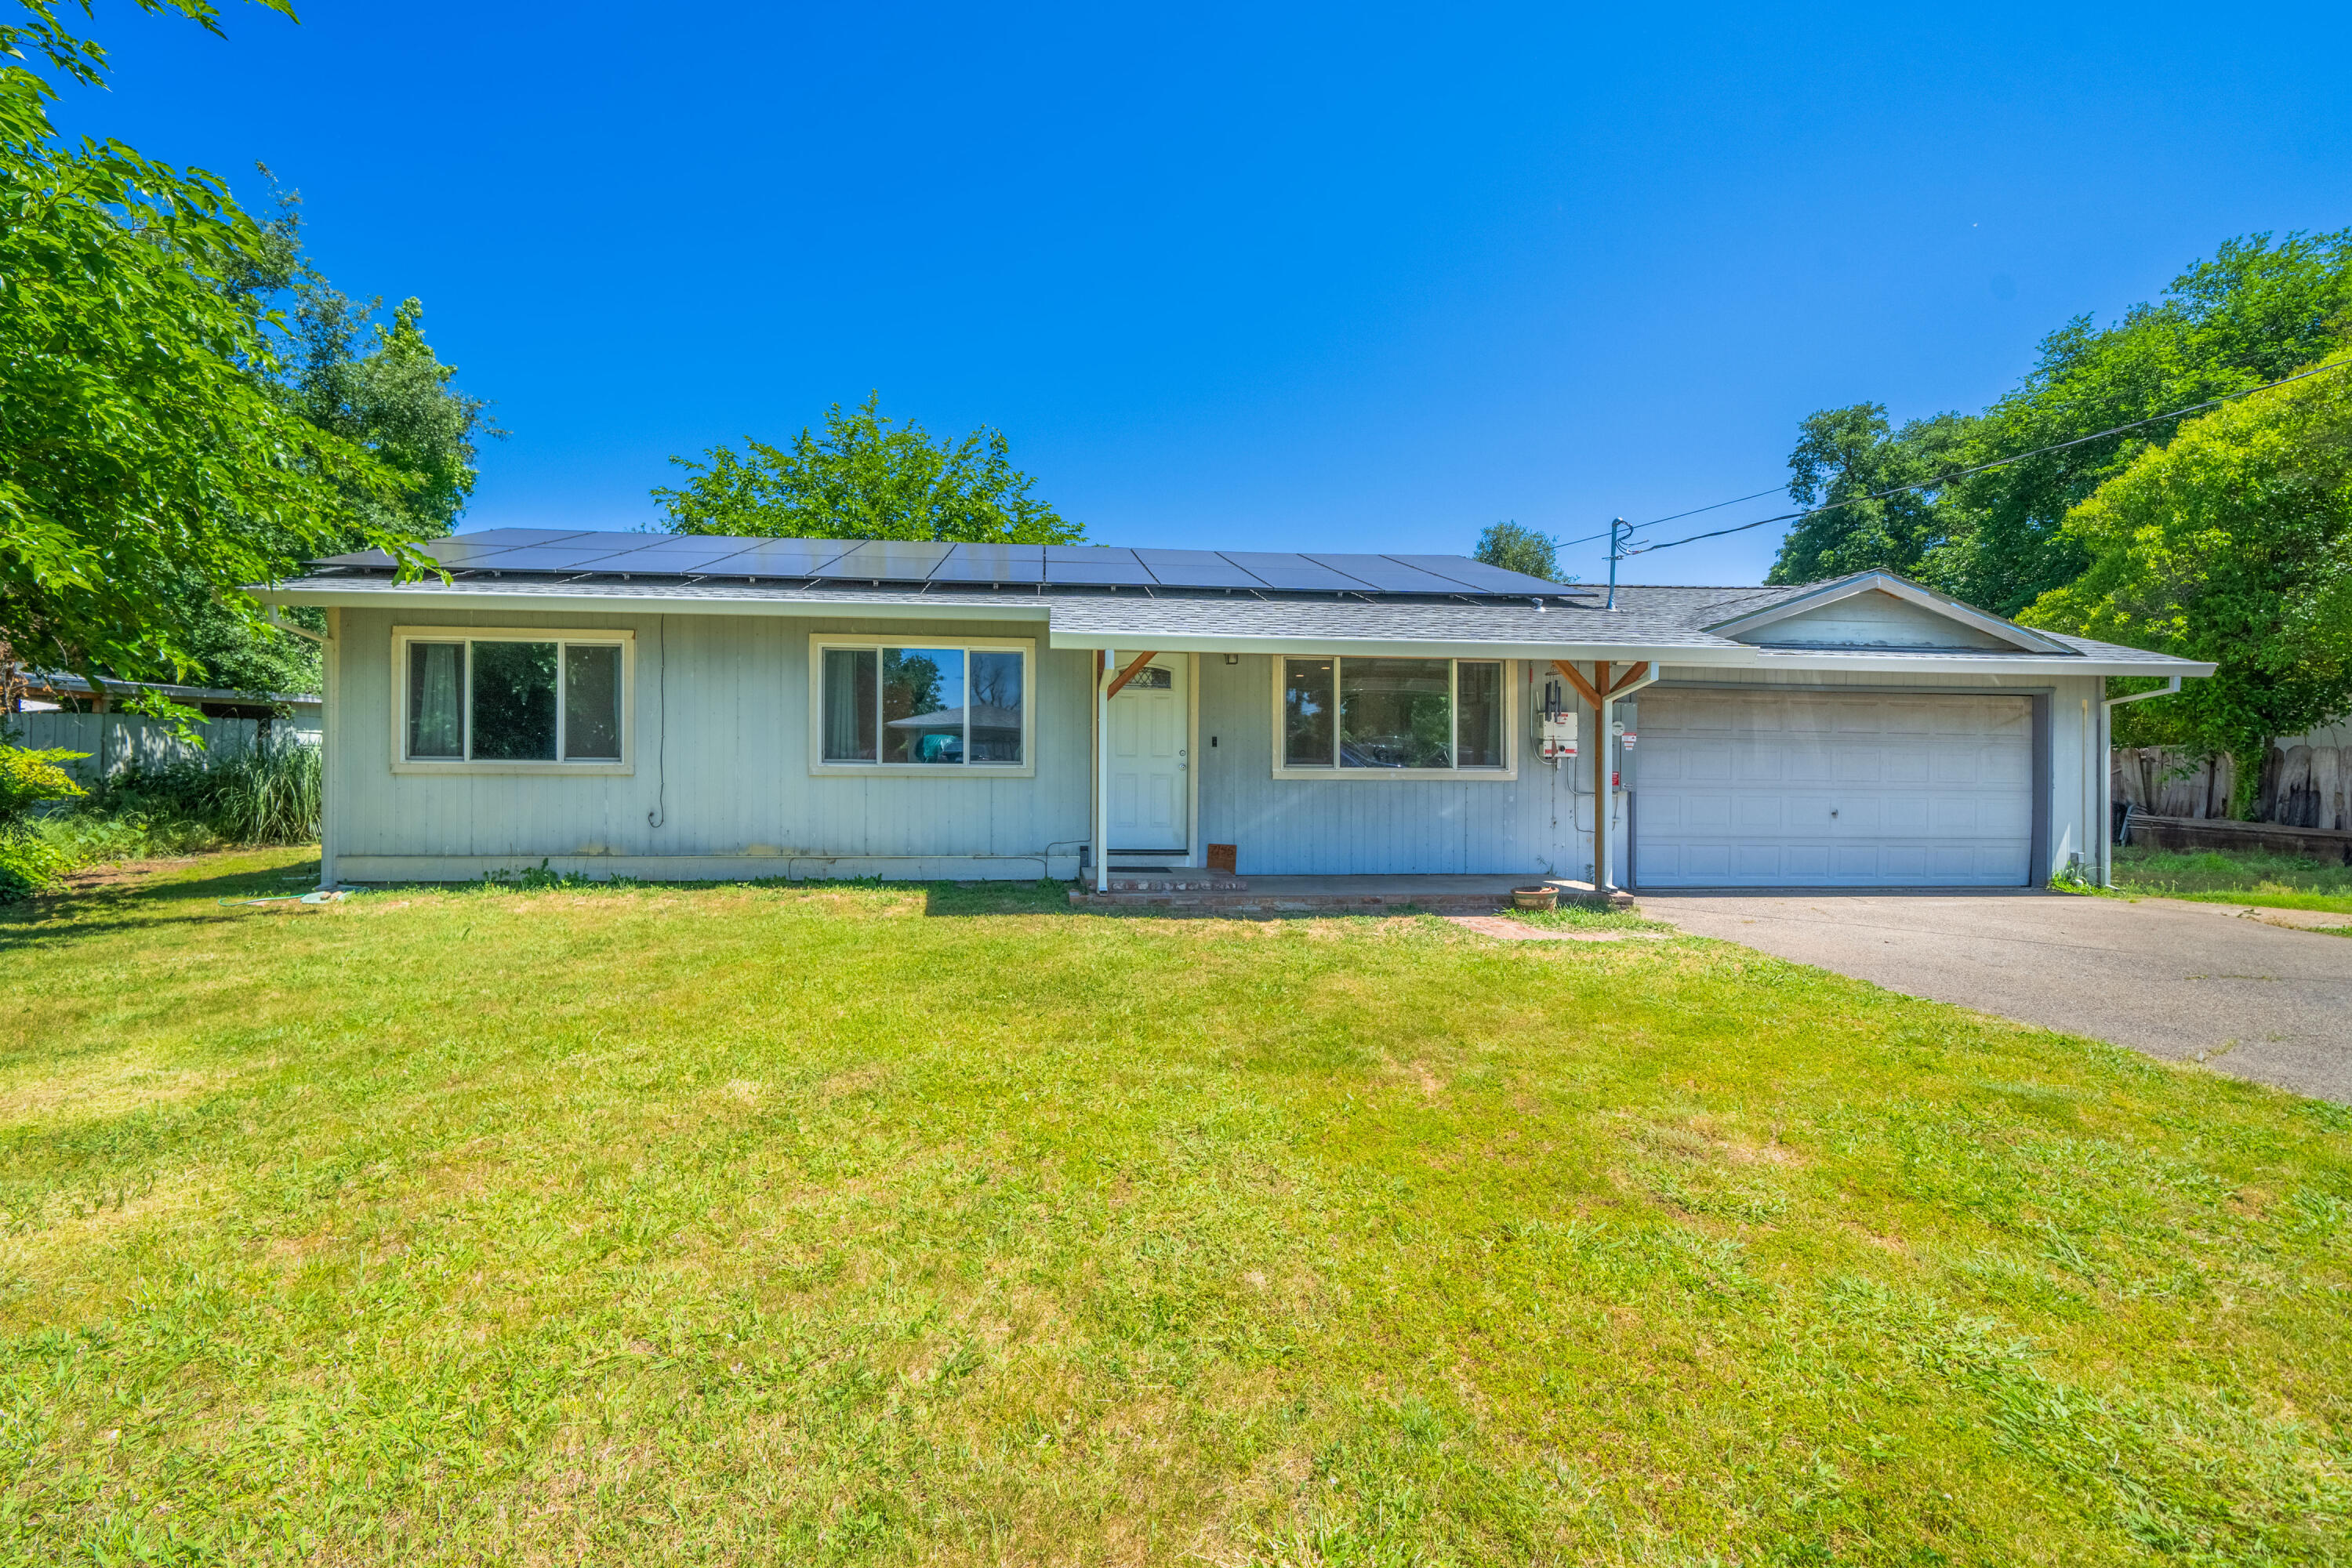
[2235, 876]
[1586, 917]
[889, 1224]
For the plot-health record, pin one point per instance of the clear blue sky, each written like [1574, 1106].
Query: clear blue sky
[1256, 277]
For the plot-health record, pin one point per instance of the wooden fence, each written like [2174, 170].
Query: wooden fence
[115, 741]
[2302, 785]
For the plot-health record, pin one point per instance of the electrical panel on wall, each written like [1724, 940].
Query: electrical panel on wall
[1555, 720]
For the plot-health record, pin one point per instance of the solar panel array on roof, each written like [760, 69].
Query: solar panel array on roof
[555, 551]
[992, 563]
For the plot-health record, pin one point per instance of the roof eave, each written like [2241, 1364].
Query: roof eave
[711, 601]
[1398, 648]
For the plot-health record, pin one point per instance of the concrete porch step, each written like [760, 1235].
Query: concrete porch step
[1256, 903]
[1184, 892]
[1175, 883]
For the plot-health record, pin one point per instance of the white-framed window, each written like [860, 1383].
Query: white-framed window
[1361, 718]
[511, 699]
[922, 707]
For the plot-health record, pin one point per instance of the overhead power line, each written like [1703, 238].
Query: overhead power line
[1942, 479]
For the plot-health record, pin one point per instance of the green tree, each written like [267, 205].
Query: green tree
[2249, 315]
[375, 384]
[1845, 456]
[1516, 549]
[2234, 544]
[142, 451]
[867, 478]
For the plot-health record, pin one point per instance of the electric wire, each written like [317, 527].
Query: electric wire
[1945, 479]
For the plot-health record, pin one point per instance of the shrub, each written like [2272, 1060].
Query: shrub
[29, 859]
[30, 778]
[267, 793]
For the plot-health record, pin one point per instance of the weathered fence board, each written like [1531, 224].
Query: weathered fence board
[2304, 785]
[2184, 833]
[115, 741]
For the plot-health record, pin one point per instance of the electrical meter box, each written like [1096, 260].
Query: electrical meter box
[1624, 724]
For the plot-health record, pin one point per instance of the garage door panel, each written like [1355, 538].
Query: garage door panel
[1701, 861]
[1709, 813]
[1824, 789]
[1860, 814]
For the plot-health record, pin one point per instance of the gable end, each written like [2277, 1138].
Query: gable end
[1872, 620]
[1877, 612]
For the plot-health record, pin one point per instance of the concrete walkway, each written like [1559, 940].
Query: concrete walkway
[2259, 999]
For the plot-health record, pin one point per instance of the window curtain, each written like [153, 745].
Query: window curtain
[850, 694]
[437, 714]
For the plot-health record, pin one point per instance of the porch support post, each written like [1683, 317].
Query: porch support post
[1601, 881]
[1101, 813]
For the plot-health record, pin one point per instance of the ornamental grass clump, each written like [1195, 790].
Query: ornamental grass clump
[267, 792]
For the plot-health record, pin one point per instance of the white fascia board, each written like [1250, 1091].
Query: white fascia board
[1902, 588]
[412, 596]
[1383, 648]
[1963, 664]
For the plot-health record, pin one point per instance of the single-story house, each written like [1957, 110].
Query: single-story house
[693, 707]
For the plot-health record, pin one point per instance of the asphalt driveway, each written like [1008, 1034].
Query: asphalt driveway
[2177, 980]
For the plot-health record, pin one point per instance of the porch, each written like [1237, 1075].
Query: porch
[1209, 892]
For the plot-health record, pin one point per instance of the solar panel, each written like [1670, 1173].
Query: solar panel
[1388, 575]
[992, 563]
[539, 558]
[1195, 569]
[889, 560]
[515, 538]
[1294, 573]
[459, 550]
[681, 555]
[786, 557]
[474, 549]
[1477, 576]
[560, 552]
[1096, 566]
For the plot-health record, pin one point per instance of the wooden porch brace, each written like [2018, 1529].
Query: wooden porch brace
[1599, 693]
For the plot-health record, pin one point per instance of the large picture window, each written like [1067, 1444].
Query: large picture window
[533, 700]
[1371, 716]
[920, 707]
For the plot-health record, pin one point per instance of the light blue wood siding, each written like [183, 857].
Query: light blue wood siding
[1542, 822]
[1368, 824]
[721, 746]
[721, 756]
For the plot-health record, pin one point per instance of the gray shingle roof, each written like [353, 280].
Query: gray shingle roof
[1660, 623]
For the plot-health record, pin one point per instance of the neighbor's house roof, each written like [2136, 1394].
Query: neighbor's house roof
[63, 683]
[1443, 605]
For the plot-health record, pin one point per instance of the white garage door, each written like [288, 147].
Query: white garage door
[1736, 789]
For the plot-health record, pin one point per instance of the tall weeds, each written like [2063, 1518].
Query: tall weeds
[266, 793]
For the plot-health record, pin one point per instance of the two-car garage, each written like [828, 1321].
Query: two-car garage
[1748, 788]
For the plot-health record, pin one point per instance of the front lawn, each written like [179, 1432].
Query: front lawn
[889, 1224]
[2235, 876]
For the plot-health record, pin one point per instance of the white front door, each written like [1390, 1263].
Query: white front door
[1150, 726]
[1817, 789]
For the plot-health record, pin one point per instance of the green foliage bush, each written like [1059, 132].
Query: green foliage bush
[30, 778]
[268, 793]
